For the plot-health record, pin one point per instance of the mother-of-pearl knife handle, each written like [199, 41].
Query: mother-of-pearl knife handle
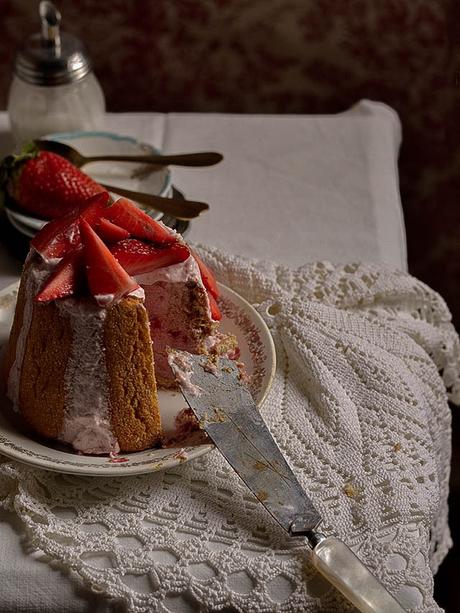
[339, 565]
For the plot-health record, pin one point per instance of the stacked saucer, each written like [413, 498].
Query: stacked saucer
[150, 179]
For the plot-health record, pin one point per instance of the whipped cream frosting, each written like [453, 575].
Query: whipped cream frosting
[105, 300]
[87, 424]
[183, 372]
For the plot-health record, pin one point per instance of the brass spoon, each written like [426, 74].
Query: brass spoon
[205, 158]
[180, 209]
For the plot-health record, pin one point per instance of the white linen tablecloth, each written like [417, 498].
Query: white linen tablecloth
[291, 189]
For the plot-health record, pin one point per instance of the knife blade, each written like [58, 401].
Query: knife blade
[226, 411]
[213, 388]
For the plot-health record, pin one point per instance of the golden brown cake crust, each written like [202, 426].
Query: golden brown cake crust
[41, 386]
[42, 393]
[129, 357]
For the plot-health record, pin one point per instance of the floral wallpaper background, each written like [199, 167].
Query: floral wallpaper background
[291, 56]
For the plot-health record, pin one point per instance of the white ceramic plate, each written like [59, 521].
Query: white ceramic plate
[20, 227]
[134, 176]
[257, 352]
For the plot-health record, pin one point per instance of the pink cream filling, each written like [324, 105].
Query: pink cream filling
[167, 300]
[86, 423]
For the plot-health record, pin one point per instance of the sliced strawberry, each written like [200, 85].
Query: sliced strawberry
[94, 207]
[109, 232]
[65, 278]
[138, 257]
[216, 315]
[57, 237]
[207, 276]
[63, 234]
[107, 280]
[127, 215]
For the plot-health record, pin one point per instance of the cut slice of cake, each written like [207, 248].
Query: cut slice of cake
[104, 292]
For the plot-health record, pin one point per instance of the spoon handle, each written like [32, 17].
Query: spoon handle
[180, 209]
[205, 158]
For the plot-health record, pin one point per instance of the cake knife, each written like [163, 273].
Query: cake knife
[226, 410]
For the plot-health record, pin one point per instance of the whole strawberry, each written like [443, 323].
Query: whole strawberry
[45, 184]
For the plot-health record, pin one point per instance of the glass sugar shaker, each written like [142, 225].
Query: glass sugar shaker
[53, 88]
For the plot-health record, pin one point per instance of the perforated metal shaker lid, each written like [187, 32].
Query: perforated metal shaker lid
[52, 57]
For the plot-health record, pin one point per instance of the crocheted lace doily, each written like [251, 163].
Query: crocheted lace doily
[367, 359]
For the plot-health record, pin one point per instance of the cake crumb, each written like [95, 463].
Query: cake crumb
[181, 455]
[218, 416]
[212, 364]
[203, 420]
[186, 431]
[114, 459]
[350, 490]
[243, 376]
[397, 447]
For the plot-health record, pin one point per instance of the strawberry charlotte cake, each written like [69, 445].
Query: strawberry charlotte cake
[104, 292]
